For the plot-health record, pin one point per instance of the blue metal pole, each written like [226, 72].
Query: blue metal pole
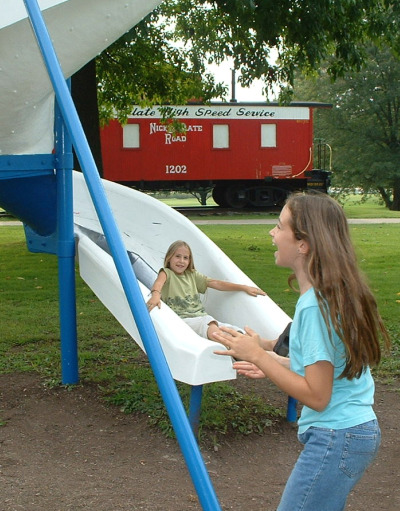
[195, 407]
[166, 384]
[291, 413]
[66, 252]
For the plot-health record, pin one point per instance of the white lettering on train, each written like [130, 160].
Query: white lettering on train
[194, 127]
[156, 127]
[169, 138]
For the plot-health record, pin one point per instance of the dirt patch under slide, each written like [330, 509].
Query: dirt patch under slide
[65, 450]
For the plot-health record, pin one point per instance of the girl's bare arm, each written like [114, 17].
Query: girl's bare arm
[155, 298]
[222, 285]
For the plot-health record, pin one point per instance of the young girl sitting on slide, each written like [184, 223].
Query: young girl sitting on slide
[179, 285]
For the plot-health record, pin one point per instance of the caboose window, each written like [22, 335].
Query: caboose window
[131, 136]
[268, 135]
[220, 136]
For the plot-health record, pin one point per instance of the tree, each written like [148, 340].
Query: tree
[146, 66]
[364, 125]
[163, 59]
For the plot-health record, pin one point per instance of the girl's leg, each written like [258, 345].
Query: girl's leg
[200, 324]
[331, 463]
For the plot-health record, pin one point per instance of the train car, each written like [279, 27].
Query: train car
[246, 154]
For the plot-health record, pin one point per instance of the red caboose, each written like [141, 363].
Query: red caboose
[248, 154]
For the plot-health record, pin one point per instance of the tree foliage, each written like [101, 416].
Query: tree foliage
[164, 58]
[146, 66]
[364, 125]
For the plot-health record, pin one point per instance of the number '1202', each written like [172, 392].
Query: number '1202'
[175, 169]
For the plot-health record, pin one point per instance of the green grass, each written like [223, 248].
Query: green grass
[109, 359]
[370, 206]
[355, 206]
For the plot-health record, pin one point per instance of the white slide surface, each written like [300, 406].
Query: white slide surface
[148, 227]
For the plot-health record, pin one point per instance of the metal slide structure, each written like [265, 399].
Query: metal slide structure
[121, 235]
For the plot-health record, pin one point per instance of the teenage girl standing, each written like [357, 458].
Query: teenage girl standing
[334, 340]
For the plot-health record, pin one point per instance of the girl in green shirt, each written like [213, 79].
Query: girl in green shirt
[180, 285]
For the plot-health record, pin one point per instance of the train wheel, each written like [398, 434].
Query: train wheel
[267, 196]
[218, 195]
[236, 197]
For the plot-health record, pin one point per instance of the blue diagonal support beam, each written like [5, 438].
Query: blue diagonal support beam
[166, 384]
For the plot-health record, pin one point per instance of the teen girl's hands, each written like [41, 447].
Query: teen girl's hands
[249, 370]
[252, 371]
[240, 346]
[314, 389]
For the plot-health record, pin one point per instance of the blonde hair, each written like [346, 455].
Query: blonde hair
[173, 248]
[343, 295]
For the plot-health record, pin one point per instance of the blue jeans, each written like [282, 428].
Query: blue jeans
[329, 466]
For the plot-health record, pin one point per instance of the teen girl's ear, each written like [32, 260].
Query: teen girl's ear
[303, 247]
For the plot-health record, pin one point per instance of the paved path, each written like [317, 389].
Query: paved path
[261, 221]
[12, 222]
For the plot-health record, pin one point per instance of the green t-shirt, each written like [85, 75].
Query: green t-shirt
[182, 292]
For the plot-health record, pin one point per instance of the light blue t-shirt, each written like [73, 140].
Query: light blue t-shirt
[352, 400]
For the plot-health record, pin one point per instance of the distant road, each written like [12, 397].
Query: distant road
[12, 222]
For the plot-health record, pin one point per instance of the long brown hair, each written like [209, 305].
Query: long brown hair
[343, 295]
[173, 248]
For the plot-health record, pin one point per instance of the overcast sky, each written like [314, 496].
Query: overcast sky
[223, 73]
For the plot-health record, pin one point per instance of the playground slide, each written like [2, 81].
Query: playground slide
[79, 30]
[148, 227]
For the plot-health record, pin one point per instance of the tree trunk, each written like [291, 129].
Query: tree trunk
[385, 196]
[395, 206]
[84, 94]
